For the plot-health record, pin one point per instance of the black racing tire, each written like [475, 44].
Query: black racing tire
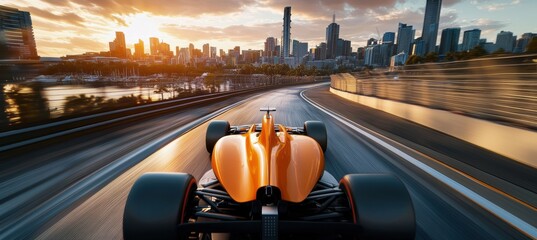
[156, 204]
[317, 131]
[216, 130]
[381, 205]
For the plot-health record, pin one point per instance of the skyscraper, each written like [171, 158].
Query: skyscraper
[270, 46]
[154, 45]
[300, 49]
[523, 42]
[320, 51]
[213, 52]
[118, 48]
[332, 35]
[470, 39]
[237, 53]
[388, 37]
[164, 49]
[418, 47]
[430, 24]
[405, 37]
[506, 41]
[372, 41]
[286, 33]
[139, 51]
[347, 49]
[183, 56]
[16, 34]
[206, 50]
[339, 47]
[449, 41]
[372, 55]
[191, 50]
[386, 52]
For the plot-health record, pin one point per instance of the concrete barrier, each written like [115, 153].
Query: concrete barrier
[515, 143]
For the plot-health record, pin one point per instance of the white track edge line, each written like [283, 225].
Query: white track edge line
[503, 214]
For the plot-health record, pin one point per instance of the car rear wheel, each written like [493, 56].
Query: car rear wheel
[381, 205]
[216, 130]
[317, 131]
[156, 204]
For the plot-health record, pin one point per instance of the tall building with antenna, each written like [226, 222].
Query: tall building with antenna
[430, 25]
[286, 33]
[332, 36]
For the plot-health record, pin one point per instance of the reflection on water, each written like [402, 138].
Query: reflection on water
[34, 102]
[24, 104]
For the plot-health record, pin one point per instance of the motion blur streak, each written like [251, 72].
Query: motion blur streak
[500, 89]
[518, 223]
[96, 179]
[441, 212]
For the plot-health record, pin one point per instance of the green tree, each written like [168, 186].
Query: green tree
[161, 89]
[29, 102]
[431, 57]
[499, 51]
[413, 59]
[477, 51]
[82, 104]
[532, 46]
[312, 71]
[126, 101]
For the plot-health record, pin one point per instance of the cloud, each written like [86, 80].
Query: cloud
[448, 3]
[156, 7]
[44, 25]
[236, 33]
[355, 27]
[85, 43]
[483, 24]
[75, 45]
[66, 24]
[493, 5]
[69, 18]
[61, 3]
[448, 19]
[323, 9]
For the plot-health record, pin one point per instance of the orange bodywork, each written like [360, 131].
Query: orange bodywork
[246, 162]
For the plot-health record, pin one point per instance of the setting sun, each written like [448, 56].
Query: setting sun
[141, 26]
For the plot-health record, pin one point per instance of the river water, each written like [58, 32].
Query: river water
[28, 103]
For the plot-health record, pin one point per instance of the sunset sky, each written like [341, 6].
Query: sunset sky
[76, 26]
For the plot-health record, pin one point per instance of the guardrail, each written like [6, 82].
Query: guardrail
[501, 89]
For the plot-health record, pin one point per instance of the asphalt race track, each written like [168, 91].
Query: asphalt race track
[77, 189]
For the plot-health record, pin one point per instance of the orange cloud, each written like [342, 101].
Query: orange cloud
[157, 7]
[69, 18]
[239, 33]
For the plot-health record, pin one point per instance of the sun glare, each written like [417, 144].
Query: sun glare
[141, 26]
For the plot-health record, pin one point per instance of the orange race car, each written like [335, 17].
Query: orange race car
[268, 182]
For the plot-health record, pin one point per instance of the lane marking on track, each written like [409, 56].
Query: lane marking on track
[503, 214]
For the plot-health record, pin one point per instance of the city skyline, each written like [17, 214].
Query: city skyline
[75, 26]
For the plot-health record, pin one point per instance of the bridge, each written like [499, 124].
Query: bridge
[70, 179]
